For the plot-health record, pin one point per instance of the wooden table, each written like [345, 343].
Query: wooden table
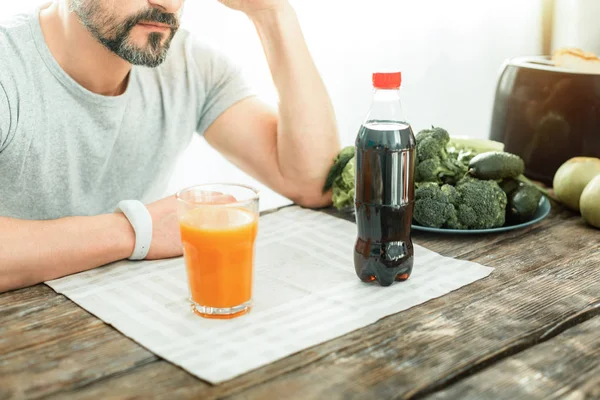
[530, 330]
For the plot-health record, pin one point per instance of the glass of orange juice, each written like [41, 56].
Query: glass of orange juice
[218, 224]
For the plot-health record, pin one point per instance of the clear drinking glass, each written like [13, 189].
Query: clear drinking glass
[218, 224]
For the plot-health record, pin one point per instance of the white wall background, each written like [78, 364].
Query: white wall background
[576, 25]
[450, 53]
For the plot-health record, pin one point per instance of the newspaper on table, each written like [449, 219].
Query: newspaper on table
[305, 293]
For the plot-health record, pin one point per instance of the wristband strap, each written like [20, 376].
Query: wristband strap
[141, 221]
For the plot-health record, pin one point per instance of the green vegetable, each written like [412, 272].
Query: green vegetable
[431, 143]
[523, 178]
[496, 165]
[482, 204]
[428, 190]
[472, 204]
[466, 218]
[339, 163]
[446, 195]
[433, 170]
[462, 150]
[432, 207]
[452, 194]
[343, 187]
[509, 186]
[522, 203]
[460, 164]
[453, 223]
[433, 163]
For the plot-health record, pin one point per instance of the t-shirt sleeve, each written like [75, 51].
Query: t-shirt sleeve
[5, 118]
[222, 85]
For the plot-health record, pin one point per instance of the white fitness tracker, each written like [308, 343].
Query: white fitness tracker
[141, 221]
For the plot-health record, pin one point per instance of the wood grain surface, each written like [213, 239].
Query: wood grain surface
[532, 321]
[565, 367]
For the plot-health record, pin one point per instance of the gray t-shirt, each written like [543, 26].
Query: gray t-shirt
[67, 151]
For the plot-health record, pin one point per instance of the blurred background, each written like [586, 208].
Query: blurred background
[450, 53]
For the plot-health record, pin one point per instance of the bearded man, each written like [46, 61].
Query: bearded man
[98, 98]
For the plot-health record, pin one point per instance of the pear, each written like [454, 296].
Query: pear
[572, 177]
[589, 204]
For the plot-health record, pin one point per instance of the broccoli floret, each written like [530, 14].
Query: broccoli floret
[452, 193]
[431, 143]
[453, 222]
[465, 179]
[472, 204]
[432, 207]
[428, 190]
[436, 133]
[343, 187]
[466, 216]
[432, 213]
[433, 164]
[340, 161]
[482, 204]
[429, 148]
[433, 170]
[459, 164]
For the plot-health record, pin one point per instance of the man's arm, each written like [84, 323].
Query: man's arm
[36, 251]
[292, 150]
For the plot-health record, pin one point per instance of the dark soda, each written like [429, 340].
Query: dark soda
[384, 194]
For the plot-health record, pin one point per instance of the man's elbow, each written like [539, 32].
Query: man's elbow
[312, 198]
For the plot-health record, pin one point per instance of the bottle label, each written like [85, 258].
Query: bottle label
[385, 177]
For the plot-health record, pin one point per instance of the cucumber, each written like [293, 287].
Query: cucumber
[522, 203]
[496, 165]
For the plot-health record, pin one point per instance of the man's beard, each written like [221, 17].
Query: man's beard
[116, 36]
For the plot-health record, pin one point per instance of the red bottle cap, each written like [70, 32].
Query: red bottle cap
[387, 80]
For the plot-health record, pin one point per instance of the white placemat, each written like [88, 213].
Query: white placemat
[306, 292]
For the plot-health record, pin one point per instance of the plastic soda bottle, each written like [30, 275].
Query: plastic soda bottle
[384, 187]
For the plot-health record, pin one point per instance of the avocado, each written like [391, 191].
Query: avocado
[522, 203]
[509, 186]
[496, 165]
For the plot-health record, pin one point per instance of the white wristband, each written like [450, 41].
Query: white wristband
[141, 221]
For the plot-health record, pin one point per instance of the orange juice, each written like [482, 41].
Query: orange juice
[218, 245]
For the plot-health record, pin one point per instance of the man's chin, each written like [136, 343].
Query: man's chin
[152, 54]
[148, 63]
[153, 40]
[143, 57]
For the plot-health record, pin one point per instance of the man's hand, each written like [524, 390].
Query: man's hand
[73, 244]
[166, 238]
[252, 7]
